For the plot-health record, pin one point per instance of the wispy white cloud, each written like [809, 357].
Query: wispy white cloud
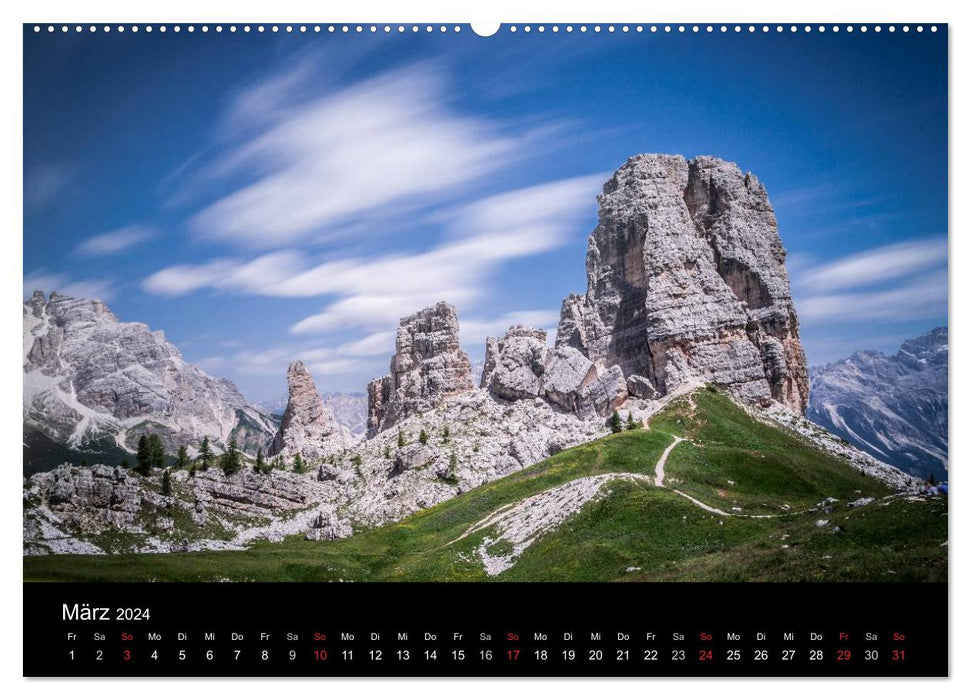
[271, 361]
[55, 282]
[115, 241]
[380, 343]
[474, 331]
[876, 265]
[374, 293]
[391, 141]
[922, 297]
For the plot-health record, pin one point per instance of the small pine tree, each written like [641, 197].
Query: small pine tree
[277, 464]
[143, 457]
[387, 452]
[615, 424]
[401, 439]
[259, 466]
[631, 423]
[298, 466]
[446, 433]
[124, 463]
[157, 451]
[182, 458]
[423, 437]
[192, 470]
[205, 455]
[231, 461]
[166, 483]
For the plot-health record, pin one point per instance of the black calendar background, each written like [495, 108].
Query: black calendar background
[493, 629]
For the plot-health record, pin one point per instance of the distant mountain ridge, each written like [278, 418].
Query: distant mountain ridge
[893, 407]
[93, 384]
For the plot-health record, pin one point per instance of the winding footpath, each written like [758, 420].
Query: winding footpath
[517, 525]
[659, 482]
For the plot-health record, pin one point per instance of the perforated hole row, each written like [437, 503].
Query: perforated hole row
[513, 28]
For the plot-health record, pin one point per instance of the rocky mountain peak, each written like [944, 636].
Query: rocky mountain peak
[308, 426]
[894, 407]
[90, 379]
[428, 365]
[927, 349]
[686, 282]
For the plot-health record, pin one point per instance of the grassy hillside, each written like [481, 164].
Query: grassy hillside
[634, 530]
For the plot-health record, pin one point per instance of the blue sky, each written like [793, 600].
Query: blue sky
[264, 197]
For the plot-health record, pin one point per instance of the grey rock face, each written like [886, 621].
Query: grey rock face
[686, 282]
[308, 427]
[88, 375]
[91, 499]
[524, 367]
[567, 373]
[641, 387]
[328, 526]
[894, 408]
[428, 366]
[413, 456]
[518, 360]
[605, 393]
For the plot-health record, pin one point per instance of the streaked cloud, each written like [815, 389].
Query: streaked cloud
[392, 142]
[373, 293]
[115, 241]
[876, 265]
[48, 282]
[474, 331]
[918, 298]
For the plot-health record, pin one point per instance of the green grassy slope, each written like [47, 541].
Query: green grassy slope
[634, 531]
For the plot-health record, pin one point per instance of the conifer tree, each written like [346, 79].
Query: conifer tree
[124, 463]
[182, 458]
[298, 466]
[143, 457]
[259, 466]
[446, 433]
[157, 451]
[205, 455]
[615, 424]
[230, 460]
[423, 437]
[401, 439]
[631, 423]
[166, 483]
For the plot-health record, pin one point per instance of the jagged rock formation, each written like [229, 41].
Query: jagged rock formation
[686, 281]
[349, 409]
[89, 377]
[894, 408]
[520, 365]
[428, 365]
[308, 427]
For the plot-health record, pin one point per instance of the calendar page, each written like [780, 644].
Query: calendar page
[470, 350]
